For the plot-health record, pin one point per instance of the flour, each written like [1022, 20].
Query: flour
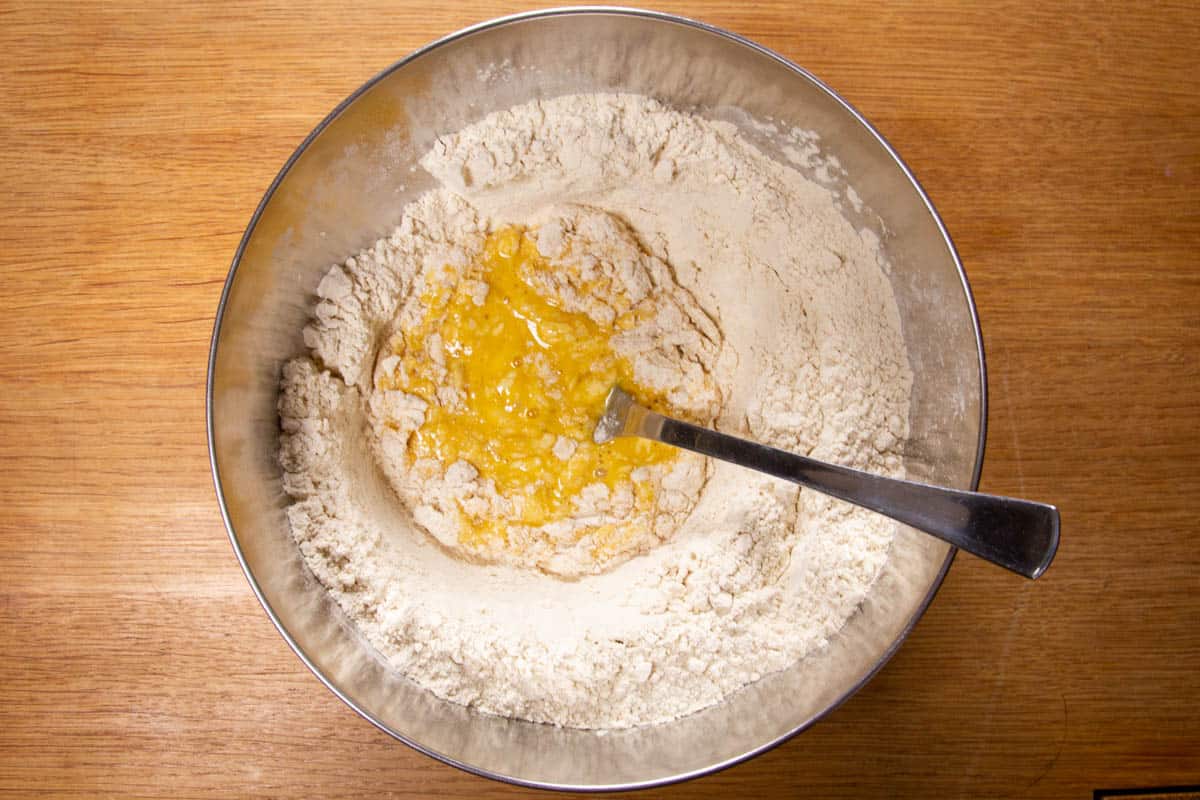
[780, 326]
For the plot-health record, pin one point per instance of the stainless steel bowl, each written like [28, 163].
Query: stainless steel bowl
[346, 185]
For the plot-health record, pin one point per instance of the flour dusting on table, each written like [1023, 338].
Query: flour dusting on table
[736, 293]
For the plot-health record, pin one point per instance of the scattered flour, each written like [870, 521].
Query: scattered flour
[801, 344]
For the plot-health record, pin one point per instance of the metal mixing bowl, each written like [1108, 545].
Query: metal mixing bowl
[346, 185]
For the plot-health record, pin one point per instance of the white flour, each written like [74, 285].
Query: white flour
[756, 574]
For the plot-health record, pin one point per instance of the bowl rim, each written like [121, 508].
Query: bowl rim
[657, 16]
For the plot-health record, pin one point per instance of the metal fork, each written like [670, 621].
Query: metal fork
[1019, 535]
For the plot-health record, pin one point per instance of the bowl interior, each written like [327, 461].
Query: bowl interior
[346, 187]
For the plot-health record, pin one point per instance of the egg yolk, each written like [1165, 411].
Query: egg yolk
[529, 380]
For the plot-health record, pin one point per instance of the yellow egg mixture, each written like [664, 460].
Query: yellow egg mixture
[529, 374]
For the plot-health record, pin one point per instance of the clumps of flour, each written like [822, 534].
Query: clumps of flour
[798, 332]
[674, 345]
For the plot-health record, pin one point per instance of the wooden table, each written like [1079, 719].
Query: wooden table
[1061, 142]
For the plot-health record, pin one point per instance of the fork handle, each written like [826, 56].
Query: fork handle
[1019, 535]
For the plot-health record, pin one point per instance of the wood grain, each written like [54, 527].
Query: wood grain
[1061, 142]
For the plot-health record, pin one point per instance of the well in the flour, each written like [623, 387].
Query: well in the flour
[486, 393]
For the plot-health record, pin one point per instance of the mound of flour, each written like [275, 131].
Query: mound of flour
[810, 358]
